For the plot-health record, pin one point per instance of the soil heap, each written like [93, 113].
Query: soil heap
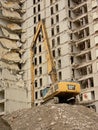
[4, 125]
[54, 117]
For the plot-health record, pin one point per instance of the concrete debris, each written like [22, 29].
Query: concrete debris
[9, 5]
[3, 23]
[5, 65]
[19, 1]
[11, 26]
[19, 44]
[10, 35]
[9, 44]
[14, 27]
[21, 51]
[23, 11]
[23, 39]
[21, 72]
[12, 57]
[54, 117]
[22, 1]
[3, 51]
[23, 61]
[9, 75]
[20, 83]
[4, 125]
[18, 77]
[1, 84]
[11, 14]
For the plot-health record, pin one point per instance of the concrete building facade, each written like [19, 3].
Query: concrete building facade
[72, 32]
[83, 23]
[71, 26]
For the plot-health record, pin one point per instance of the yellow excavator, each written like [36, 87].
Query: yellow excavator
[59, 91]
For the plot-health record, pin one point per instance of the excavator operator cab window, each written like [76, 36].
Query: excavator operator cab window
[71, 87]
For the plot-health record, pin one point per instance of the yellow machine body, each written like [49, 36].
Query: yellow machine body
[64, 90]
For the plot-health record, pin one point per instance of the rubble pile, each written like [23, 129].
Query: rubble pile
[54, 117]
[4, 125]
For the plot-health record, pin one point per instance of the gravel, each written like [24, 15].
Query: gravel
[54, 117]
[4, 125]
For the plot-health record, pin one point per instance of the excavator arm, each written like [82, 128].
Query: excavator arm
[51, 64]
[61, 90]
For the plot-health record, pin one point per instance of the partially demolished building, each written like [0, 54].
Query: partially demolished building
[13, 92]
[72, 27]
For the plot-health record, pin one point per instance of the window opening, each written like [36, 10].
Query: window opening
[39, 8]
[58, 29]
[56, 7]
[53, 43]
[35, 83]
[53, 53]
[60, 75]
[57, 18]
[40, 59]
[40, 70]
[36, 95]
[52, 31]
[52, 11]
[58, 40]
[40, 80]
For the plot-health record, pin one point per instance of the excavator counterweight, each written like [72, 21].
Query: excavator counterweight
[63, 90]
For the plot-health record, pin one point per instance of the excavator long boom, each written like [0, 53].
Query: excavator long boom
[51, 64]
[62, 90]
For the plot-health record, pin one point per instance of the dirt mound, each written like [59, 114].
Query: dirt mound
[54, 117]
[4, 125]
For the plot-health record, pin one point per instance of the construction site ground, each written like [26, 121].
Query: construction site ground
[52, 117]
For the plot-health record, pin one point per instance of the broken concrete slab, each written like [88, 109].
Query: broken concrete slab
[9, 4]
[3, 51]
[9, 35]
[11, 26]
[3, 23]
[6, 65]
[18, 1]
[19, 44]
[8, 44]
[11, 57]
[22, 51]
[14, 27]
[11, 14]
[20, 83]
[8, 75]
